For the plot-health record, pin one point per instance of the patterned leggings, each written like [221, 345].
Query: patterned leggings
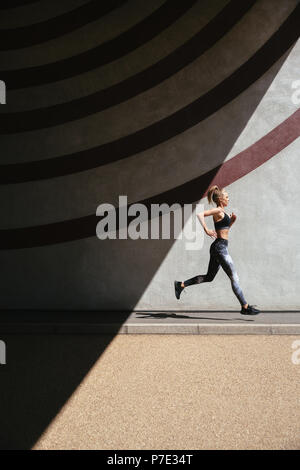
[219, 256]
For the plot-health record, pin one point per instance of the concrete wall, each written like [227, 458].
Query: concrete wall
[179, 114]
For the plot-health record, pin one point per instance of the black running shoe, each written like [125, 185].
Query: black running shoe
[250, 310]
[178, 289]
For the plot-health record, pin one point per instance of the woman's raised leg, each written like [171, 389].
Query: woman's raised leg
[213, 268]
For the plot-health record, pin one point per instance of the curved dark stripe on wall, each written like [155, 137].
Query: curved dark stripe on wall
[224, 174]
[116, 94]
[55, 27]
[168, 127]
[8, 4]
[103, 54]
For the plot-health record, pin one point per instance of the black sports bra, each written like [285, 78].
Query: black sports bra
[223, 223]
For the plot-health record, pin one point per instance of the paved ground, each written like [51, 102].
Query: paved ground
[230, 322]
[146, 322]
[158, 392]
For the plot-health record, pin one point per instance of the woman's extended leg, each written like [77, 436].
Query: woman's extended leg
[228, 266]
[212, 270]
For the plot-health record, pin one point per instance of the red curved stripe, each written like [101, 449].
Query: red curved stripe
[260, 152]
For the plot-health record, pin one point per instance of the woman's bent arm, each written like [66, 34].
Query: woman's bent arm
[201, 216]
[201, 220]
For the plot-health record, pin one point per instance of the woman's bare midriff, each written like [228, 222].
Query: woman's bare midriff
[223, 233]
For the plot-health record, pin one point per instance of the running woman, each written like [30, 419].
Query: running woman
[219, 255]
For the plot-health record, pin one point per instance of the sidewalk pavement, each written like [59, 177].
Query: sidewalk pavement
[150, 322]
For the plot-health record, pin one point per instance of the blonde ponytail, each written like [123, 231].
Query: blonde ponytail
[214, 194]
